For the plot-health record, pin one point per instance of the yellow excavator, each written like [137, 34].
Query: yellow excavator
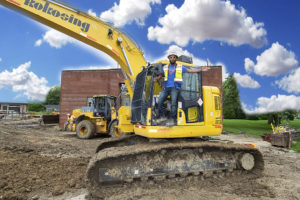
[152, 151]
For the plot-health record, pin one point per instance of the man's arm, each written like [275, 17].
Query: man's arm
[158, 77]
[202, 69]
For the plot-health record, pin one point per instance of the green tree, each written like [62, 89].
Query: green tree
[281, 117]
[232, 108]
[289, 115]
[36, 107]
[53, 96]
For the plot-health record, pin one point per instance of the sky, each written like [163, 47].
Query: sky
[256, 41]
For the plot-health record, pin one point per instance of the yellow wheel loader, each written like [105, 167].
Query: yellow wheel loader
[98, 117]
[147, 150]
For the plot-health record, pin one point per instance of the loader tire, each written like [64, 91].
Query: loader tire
[112, 129]
[85, 129]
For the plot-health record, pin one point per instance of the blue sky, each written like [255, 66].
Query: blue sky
[256, 41]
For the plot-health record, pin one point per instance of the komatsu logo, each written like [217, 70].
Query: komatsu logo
[55, 13]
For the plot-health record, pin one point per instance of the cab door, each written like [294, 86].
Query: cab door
[139, 104]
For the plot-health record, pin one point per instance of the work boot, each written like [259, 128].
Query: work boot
[160, 120]
[171, 122]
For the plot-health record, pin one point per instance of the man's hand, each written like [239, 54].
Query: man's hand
[204, 69]
[158, 77]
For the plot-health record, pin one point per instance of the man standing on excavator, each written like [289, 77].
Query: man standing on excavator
[171, 86]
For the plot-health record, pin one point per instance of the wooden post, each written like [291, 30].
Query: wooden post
[290, 139]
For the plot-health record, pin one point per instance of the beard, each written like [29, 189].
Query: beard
[172, 63]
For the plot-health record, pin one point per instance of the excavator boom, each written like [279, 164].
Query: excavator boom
[88, 29]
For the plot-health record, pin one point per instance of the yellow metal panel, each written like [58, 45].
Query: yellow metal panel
[149, 117]
[177, 131]
[100, 124]
[193, 114]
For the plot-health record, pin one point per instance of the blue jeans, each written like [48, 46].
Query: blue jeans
[173, 92]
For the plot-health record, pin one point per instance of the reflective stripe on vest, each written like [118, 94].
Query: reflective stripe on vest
[178, 73]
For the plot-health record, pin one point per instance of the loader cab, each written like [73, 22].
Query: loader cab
[146, 94]
[103, 105]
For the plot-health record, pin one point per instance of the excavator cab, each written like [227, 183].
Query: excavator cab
[146, 94]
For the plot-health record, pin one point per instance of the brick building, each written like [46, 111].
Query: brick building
[78, 85]
[213, 77]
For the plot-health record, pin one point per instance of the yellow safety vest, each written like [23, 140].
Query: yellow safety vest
[178, 73]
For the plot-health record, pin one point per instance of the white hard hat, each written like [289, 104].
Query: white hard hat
[172, 53]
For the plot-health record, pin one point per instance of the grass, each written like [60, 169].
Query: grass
[296, 146]
[251, 127]
[295, 124]
[257, 128]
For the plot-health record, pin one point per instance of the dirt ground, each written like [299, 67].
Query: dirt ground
[41, 162]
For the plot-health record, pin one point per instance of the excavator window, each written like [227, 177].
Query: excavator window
[191, 92]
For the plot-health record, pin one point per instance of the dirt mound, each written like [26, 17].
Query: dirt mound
[22, 173]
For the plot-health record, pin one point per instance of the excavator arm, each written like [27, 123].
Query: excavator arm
[88, 29]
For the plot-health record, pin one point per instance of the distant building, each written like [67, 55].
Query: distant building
[6, 107]
[52, 108]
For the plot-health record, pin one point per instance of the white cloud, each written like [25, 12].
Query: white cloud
[225, 74]
[91, 12]
[58, 40]
[20, 79]
[273, 61]
[38, 43]
[0, 59]
[246, 81]
[200, 20]
[128, 11]
[249, 65]
[290, 83]
[274, 104]
[55, 39]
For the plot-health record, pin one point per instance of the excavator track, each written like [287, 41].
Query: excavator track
[120, 162]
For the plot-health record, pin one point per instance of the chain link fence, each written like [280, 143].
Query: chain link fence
[13, 115]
